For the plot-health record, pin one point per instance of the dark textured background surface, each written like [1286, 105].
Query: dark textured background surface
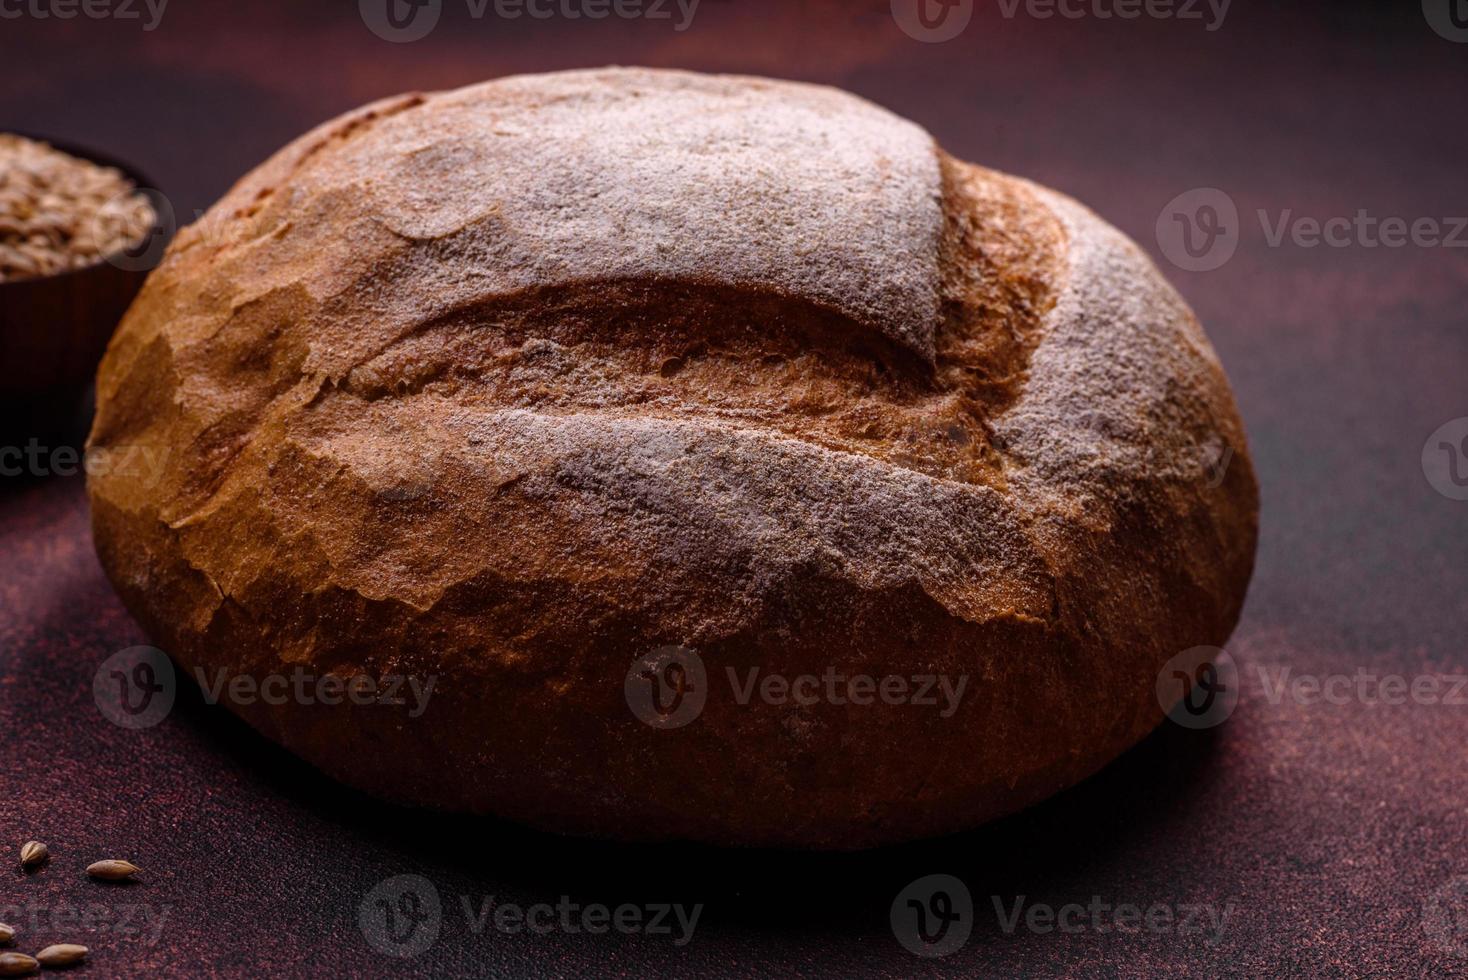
[1329, 828]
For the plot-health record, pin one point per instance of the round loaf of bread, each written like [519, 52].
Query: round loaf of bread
[895, 480]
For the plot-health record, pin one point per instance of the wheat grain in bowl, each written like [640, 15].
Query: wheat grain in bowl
[59, 212]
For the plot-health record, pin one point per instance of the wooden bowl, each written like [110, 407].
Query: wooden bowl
[53, 329]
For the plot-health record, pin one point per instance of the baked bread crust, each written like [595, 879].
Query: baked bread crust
[511, 385]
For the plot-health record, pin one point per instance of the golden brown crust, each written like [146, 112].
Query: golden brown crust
[973, 434]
